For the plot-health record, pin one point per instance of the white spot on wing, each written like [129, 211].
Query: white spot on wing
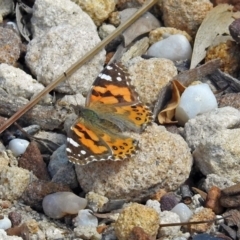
[83, 152]
[68, 150]
[109, 68]
[119, 79]
[105, 77]
[71, 141]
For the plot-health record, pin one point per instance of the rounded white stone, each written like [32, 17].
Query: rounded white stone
[18, 146]
[195, 100]
[5, 223]
[182, 211]
[175, 47]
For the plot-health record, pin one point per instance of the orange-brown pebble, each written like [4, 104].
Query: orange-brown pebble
[5, 204]
[139, 234]
[229, 53]
[158, 195]
[108, 57]
[203, 215]
[101, 228]
[213, 200]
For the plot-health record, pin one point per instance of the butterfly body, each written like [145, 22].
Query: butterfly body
[112, 107]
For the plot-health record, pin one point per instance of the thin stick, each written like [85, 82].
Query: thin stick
[77, 65]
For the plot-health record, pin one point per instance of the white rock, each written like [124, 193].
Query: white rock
[105, 30]
[216, 180]
[175, 47]
[207, 124]
[154, 204]
[17, 83]
[169, 217]
[57, 205]
[183, 212]
[85, 218]
[87, 233]
[5, 223]
[195, 100]
[18, 146]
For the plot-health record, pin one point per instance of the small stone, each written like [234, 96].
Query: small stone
[168, 202]
[5, 223]
[97, 10]
[85, 218]
[185, 15]
[137, 215]
[96, 201]
[105, 30]
[21, 231]
[195, 100]
[154, 204]
[32, 160]
[18, 146]
[38, 189]
[213, 200]
[234, 30]
[183, 212]
[15, 218]
[203, 214]
[175, 47]
[59, 204]
[9, 46]
[229, 99]
[84, 232]
[169, 217]
[138, 233]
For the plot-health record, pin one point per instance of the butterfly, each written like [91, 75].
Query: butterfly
[112, 107]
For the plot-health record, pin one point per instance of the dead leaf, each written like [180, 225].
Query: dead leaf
[214, 26]
[166, 116]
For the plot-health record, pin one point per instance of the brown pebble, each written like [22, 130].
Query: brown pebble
[101, 228]
[15, 218]
[32, 160]
[230, 201]
[233, 190]
[213, 200]
[138, 233]
[37, 190]
[229, 99]
[20, 231]
[5, 204]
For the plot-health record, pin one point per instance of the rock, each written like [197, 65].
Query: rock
[142, 25]
[17, 83]
[202, 214]
[85, 218]
[61, 170]
[38, 189]
[175, 47]
[229, 99]
[9, 46]
[168, 201]
[182, 211]
[48, 56]
[169, 217]
[6, 7]
[196, 99]
[207, 124]
[228, 52]
[185, 15]
[15, 218]
[151, 167]
[62, 11]
[59, 204]
[154, 204]
[99, 11]
[161, 33]
[219, 154]
[150, 76]
[137, 49]
[105, 30]
[138, 233]
[32, 160]
[13, 182]
[95, 201]
[21, 231]
[234, 29]
[213, 200]
[18, 146]
[5, 223]
[216, 180]
[84, 232]
[4, 236]
[136, 215]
